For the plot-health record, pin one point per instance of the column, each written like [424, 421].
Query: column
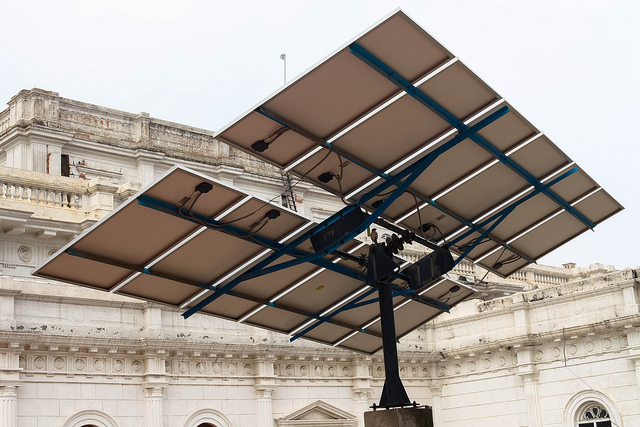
[436, 394]
[527, 371]
[8, 406]
[264, 410]
[361, 388]
[153, 412]
[532, 399]
[265, 384]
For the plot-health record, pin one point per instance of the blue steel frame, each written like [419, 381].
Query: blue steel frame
[174, 210]
[401, 180]
[496, 218]
[382, 68]
[150, 272]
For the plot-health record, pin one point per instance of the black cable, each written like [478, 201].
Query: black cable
[339, 180]
[513, 258]
[303, 176]
[476, 241]
[415, 200]
[497, 260]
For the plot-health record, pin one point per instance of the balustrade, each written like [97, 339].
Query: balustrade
[40, 195]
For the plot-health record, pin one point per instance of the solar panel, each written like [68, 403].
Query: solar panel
[394, 96]
[173, 245]
[404, 133]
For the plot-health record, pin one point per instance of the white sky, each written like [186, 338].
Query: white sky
[570, 67]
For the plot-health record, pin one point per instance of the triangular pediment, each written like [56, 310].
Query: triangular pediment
[318, 413]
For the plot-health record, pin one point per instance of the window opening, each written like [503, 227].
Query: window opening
[64, 167]
[594, 416]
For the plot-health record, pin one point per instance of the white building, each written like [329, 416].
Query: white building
[550, 346]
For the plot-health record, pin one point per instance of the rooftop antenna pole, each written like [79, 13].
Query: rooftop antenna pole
[284, 59]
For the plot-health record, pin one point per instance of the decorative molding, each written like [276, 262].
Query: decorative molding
[318, 414]
[211, 416]
[91, 418]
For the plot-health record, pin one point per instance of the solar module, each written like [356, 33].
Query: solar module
[502, 196]
[409, 138]
[404, 133]
[175, 245]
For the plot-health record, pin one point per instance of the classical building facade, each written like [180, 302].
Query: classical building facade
[550, 346]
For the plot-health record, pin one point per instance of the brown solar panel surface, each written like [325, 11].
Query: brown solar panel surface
[372, 127]
[346, 118]
[147, 253]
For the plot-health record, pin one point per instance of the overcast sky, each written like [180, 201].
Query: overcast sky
[572, 68]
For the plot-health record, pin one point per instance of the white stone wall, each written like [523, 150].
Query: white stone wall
[71, 356]
[78, 349]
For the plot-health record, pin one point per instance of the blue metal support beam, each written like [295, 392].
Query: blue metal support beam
[409, 293]
[508, 209]
[322, 319]
[402, 180]
[298, 129]
[174, 210]
[356, 304]
[499, 216]
[382, 68]
[302, 313]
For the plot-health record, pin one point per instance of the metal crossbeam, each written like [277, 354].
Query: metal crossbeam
[499, 216]
[382, 68]
[409, 293]
[326, 318]
[294, 310]
[402, 180]
[253, 238]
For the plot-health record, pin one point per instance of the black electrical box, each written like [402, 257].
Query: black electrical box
[429, 268]
[338, 229]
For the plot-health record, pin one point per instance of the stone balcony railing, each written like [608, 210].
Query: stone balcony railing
[60, 198]
[40, 195]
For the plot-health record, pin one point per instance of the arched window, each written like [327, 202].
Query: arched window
[594, 416]
[208, 418]
[591, 409]
[90, 418]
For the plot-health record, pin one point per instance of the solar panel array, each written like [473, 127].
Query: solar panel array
[394, 95]
[392, 110]
[151, 249]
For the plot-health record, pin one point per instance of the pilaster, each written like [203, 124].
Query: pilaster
[153, 406]
[527, 371]
[146, 169]
[630, 294]
[8, 406]
[101, 196]
[633, 342]
[155, 382]
[264, 385]
[141, 127]
[361, 389]
[436, 393]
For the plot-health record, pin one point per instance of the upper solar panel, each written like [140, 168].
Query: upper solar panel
[389, 99]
